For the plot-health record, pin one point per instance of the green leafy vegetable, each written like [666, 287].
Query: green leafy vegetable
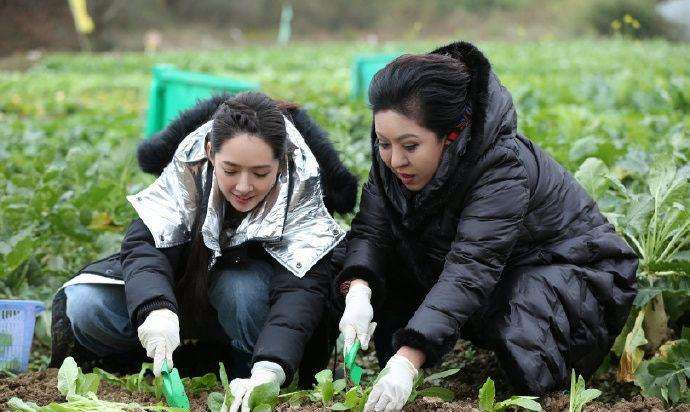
[666, 375]
[579, 396]
[487, 400]
[72, 381]
[265, 395]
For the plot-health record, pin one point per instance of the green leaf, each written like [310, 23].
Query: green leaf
[353, 396]
[265, 394]
[324, 387]
[339, 406]
[661, 368]
[487, 396]
[198, 384]
[18, 405]
[592, 176]
[579, 396]
[324, 376]
[441, 375]
[214, 401]
[21, 251]
[438, 392]
[589, 395]
[525, 402]
[665, 375]
[262, 408]
[108, 377]
[296, 397]
[67, 377]
[339, 385]
[87, 383]
[223, 377]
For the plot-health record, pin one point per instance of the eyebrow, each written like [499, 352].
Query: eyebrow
[225, 162]
[402, 136]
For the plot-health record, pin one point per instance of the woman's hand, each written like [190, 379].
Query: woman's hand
[160, 336]
[356, 321]
[262, 372]
[394, 384]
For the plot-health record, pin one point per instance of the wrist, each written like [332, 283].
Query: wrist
[400, 365]
[415, 356]
[358, 290]
[359, 282]
[269, 371]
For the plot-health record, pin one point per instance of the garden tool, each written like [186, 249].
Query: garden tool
[173, 388]
[350, 357]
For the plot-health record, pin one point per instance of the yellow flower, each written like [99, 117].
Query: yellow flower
[616, 25]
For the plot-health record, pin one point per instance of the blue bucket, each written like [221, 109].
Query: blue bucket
[17, 321]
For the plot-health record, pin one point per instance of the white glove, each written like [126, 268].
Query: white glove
[262, 372]
[160, 336]
[356, 321]
[393, 387]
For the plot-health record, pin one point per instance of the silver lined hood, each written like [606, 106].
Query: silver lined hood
[292, 222]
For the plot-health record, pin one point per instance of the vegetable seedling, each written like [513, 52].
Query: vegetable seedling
[354, 369]
[173, 388]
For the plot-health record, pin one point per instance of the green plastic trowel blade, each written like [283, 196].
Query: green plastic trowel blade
[173, 388]
[355, 370]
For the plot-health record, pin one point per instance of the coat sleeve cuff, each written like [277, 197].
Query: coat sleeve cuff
[282, 346]
[145, 308]
[357, 272]
[361, 261]
[414, 339]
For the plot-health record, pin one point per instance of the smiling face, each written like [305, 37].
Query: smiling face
[246, 170]
[411, 151]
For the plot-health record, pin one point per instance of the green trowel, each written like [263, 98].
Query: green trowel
[350, 357]
[173, 388]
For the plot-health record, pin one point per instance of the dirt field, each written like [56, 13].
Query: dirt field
[475, 365]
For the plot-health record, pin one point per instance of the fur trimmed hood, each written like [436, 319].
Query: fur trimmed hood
[339, 184]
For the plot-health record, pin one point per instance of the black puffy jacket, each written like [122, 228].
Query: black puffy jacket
[497, 209]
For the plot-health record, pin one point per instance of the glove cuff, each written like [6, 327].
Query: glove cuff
[358, 290]
[164, 314]
[266, 367]
[401, 362]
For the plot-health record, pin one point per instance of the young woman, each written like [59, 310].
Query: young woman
[467, 229]
[232, 244]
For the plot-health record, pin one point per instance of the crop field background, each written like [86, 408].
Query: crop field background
[614, 112]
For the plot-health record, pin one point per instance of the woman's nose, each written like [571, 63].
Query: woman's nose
[398, 159]
[243, 184]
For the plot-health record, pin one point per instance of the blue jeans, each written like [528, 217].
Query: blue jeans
[239, 294]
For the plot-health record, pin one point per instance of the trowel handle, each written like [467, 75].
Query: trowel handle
[165, 368]
[352, 354]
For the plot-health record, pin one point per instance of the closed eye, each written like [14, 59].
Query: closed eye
[383, 145]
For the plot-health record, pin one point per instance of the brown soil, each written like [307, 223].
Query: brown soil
[475, 365]
[41, 388]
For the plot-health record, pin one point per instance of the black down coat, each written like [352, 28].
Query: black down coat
[502, 247]
[297, 305]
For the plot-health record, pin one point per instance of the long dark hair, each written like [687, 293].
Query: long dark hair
[431, 89]
[253, 113]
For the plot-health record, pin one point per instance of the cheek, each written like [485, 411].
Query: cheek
[385, 156]
[225, 182]
[427, 161]
[263, 186]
